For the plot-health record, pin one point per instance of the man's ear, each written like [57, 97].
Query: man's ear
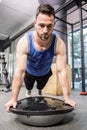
[34, 22]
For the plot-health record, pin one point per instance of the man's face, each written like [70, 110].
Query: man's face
[44, 26]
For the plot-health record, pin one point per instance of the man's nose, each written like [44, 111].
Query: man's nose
[45, 30]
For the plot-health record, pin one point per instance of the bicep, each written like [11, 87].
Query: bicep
[60, 62]
[61, 67]
[60, 55]
[21, 56]
[21, 60]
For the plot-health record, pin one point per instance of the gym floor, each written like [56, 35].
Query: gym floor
[76, 120]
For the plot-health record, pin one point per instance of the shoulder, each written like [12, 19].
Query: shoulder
[22, 45]
[60, 46]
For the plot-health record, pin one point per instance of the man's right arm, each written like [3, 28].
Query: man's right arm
[21, 59]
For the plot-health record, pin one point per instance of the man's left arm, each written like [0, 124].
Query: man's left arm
[62, 72]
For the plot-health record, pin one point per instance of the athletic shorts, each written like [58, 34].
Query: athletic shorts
[29, 80]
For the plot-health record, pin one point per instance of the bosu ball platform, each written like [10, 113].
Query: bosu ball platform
[41, 110]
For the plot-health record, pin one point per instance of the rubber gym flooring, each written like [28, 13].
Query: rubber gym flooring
[76, 120]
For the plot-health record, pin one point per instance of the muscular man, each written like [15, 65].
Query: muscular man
[35, 52]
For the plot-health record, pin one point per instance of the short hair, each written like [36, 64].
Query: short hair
[45, 9]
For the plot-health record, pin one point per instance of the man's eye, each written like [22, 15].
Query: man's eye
[41, 25]
[49, 26]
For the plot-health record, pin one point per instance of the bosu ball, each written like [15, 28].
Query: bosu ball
[41, 110]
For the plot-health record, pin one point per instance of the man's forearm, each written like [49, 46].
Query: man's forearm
[64, 83]
[65, 90]
[16, 85]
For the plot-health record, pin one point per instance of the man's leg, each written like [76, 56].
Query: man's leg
[41, 82]
[29, 82]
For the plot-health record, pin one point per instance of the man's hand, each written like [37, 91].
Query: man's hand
[70, 102]
[9, 104]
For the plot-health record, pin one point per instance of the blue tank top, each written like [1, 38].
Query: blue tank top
[39, 62]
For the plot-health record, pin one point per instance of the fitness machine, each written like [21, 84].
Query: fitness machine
[4, 81]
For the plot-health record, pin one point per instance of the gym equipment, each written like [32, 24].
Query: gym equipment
[83, 93]
[41, 110]
[4, 73]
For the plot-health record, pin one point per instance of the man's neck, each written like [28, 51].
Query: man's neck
[41, 43]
